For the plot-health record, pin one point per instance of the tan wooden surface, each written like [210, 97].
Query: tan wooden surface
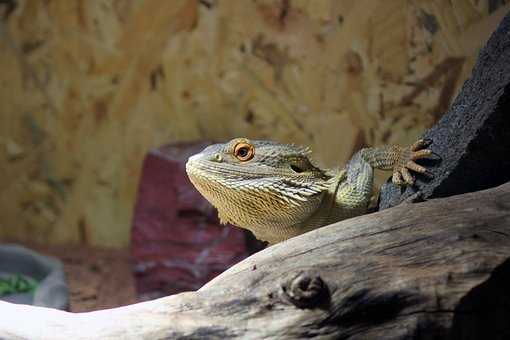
[87, 87]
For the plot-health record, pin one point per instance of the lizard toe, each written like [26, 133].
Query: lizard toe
[415, 167]
[428, 174]
[427, 142]
[420, 144]
[420, 154]
[397, 178]
[406, 175]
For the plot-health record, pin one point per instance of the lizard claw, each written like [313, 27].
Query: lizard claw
[420, 144]
[406, 162]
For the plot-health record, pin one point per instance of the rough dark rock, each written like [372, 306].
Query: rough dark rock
[473, 137]
[177, 242]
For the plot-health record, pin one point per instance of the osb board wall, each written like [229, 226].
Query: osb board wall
[87, 87]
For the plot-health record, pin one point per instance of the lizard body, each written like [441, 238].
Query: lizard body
[276, 192]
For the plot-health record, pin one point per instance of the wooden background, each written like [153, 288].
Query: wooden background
[87, 87]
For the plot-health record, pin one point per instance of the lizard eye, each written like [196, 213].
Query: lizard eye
[244, 151]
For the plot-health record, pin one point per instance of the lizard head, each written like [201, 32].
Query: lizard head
[258, 185]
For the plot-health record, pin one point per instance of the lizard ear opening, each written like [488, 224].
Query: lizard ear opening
[295, 168]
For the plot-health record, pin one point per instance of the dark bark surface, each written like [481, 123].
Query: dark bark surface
[473, 137]
[433, 270]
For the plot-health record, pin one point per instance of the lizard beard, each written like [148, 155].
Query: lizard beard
[267, 206]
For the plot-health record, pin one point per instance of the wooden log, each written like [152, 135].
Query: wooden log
[438, 269]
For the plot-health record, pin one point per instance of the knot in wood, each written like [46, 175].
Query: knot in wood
[305, 290]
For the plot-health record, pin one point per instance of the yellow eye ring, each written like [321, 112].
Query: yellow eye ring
[244, 151]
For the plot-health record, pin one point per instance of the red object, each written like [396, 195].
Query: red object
[177, 241]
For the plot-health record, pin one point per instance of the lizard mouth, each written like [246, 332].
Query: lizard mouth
[207, 179]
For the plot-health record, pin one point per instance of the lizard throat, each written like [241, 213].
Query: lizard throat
[257, 204]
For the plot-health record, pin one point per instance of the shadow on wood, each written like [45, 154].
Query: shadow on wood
[483, 313]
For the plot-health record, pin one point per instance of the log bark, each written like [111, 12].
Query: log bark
[438, 269]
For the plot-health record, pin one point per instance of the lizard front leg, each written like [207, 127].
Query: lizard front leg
[399, 159]
[356, 191]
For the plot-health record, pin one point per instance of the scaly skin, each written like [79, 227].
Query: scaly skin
[276, 192]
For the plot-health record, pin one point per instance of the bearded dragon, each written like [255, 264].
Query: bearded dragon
[275, 191]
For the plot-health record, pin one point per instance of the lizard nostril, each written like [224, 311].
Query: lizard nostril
[218, 158]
